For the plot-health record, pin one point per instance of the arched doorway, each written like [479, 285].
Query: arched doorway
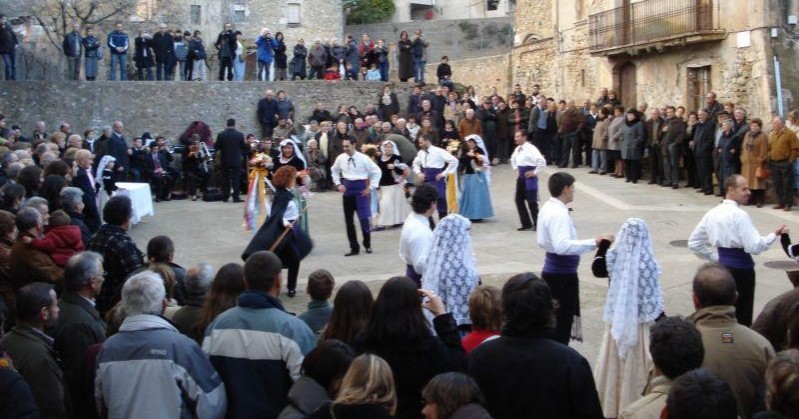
[627, 85]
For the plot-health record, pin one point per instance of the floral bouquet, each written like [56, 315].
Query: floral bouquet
[370, 150]
[261, 161]
[453, 146]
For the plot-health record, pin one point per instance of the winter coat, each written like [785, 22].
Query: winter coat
[90, 46]
[197, 49]
[352, 57]
[281, 61]
[405, 58]
[317, 57]
[298, 60]
[632, 137]
[118, 40]
[337, 54]
[181, 49]
[351, 411]
[31, 265]
[8, 40]
[305, 396]
[164, 46]
[143, 54]
[600, 140]
[266, 48]
[61, 243]
[17, 401]
[73, 45]
[471, 411]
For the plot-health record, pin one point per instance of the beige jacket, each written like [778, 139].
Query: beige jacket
[734, 352]
[651, 405]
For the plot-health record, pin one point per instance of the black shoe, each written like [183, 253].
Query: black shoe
[708, 193]
[157, 199]
[628, 180]
[368, 250]
[652, 182]
[635, 181]
[353, 253]
[237, 200]
[379, 228]
[674, 187]
[525, 228]
[292, 293]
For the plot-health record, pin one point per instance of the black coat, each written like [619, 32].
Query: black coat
[117, 147]
[230, 143]
[295, 241]
[267, 112]
[8, 39]
[281, 60]
[85, 233]
[149, 165]
[91, 215]
[163, 46]
[530, 375]
[17, 401]
[226, 44]
[350, 411]
[143, 53]
[703, 138]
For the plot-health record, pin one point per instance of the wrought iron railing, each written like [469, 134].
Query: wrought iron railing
[650, 21]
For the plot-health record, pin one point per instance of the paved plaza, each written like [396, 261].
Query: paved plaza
[212, 232]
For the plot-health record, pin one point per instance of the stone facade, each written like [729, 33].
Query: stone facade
[481, 73]
[414, 10]
[553, 40]
[167, 108]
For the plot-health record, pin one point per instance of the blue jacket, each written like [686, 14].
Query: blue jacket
[150, 370]
[258, 349]
[266, 49]
[118, 40]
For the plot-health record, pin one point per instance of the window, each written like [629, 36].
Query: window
[293, 13]
[492, 5]
[239, 16]
[196, 12]
[698, 86]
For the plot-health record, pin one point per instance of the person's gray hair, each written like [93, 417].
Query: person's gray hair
[70, 197]
[36, 202]
[198, 279]
[47, 158]
[13, 169]
[81, 268]
[107, 128]
[27, 218]
[780, 118]
[143, 293]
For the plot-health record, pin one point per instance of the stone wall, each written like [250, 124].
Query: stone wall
[168, 107]
[482, 73]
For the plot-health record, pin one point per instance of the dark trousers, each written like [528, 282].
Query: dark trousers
[163, 70]
[9, 66]
[349, 220]
[689, 163]
[195, 179]
[188, 70]
[266, 130]
[745, 285]
[526, 199]
[566, 291]
[317, 73]
[162, 185]
[655, 164]
[633, 169]
[144, 73]
[503, 149]
[226, 63]
[230, 180]
[782, 176]
[291, 261]
[704, 173]
[553, 148]
[571, 145]
[539, 138]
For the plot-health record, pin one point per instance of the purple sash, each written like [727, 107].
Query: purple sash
[411, 273]
[430, 177]
[362, 203]
[531, 184]
[734, 258]
[561, 264]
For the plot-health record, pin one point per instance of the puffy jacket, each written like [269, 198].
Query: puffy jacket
[164, 46]
[8, 40]
[266, 48]
[181, 49]
[149, 369]
[353, 58]
[118, 40]
[61, 243]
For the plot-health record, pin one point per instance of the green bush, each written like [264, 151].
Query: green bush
[370, 11]
[470, 30]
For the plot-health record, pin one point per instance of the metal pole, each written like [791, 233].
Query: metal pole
[779, 85]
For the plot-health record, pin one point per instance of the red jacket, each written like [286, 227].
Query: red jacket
[61, 243]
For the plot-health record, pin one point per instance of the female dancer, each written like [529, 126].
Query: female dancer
[475, 201]
[281, 233]
[394, 207]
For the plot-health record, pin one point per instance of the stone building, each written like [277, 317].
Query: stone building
[658, 51]
[410, 10]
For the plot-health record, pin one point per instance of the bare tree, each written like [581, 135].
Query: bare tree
[56, 16]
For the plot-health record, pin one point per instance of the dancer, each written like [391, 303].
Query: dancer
[729, 228]
[558, 237]
[527, 161]
[475, 202]
[416, 238]
[280, 233]
[451, 272]
[393, 204]
[355, 174]
[432, 165]
[634, 301]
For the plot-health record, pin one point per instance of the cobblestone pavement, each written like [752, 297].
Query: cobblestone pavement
[212, 232]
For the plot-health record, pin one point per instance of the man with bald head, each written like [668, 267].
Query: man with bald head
[729, 229]
[267, 113]
[734, 352]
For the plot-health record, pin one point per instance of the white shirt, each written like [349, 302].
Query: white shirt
[416, 240]
[356, 167]
[727, 225]
[556, 233]
[527, 155]
[435, 158]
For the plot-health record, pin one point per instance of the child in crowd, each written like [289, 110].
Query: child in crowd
[364, 72]
[332, 73]
[108, 178]
[320, 287]
[373, 74]
[62, 240]
[444, 72]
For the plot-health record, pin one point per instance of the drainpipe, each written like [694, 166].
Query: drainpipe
[778, 76]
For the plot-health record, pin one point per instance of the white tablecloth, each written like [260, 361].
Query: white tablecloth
[140, 196]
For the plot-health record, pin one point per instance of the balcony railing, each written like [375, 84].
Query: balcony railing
[651, 21]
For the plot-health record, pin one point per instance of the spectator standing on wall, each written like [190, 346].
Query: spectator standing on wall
[317, 58]
[143, 56]
[226, 45]
[91, 47]
[381, 52]
[181, 54]
[73, 49]
[164, 48]
[419, 52]
[197, 55]
[266, 53]
[8, 45]
[298, 60]
[118, 45]
[352, 58]
[281, 60]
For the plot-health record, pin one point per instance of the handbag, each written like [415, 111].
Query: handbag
[100, 53]
[762, 173]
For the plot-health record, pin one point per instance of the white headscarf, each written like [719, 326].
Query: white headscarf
[395, 150]
[103, 163]
[635, 296]
[451, 272]
[297, 151]
[479, 140]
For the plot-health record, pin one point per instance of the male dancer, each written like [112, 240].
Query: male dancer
[355, 175]
[556, 235]
[416, 238]
[432, 165]
[528, 161]
[730, 230]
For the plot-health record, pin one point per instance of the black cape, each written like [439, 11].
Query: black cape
[295, 241]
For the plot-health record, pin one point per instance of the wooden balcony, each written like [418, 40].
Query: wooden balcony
[653, 25]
